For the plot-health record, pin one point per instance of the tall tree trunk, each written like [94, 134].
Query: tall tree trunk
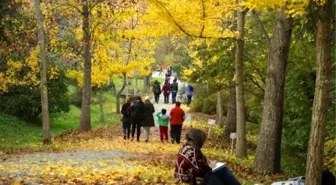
[269, 144]
[85, 118]
[43, 74]
[322, 85]
[241, 127]
[119, 94]
[101, 106]
[220, 121]
[231, 118]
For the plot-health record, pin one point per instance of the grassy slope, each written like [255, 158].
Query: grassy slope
[15, 133]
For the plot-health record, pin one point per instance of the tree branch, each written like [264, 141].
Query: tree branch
[124, 84]
[185, 31]
[262, 27]
[203, 17]
[256, 83]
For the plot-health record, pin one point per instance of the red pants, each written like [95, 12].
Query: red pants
[163, 133]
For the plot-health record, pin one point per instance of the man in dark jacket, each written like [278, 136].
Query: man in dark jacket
[126, 119]
[173, 90]
[156, 91]
[137, 116]
[149, 118]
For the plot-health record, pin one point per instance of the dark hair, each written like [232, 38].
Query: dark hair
[138, 98]
[196, 138]
[163, 111]
[178, 104]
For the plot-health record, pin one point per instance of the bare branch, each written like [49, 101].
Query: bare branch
[257, 84]
[262, 27]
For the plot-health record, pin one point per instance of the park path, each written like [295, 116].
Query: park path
[102, 153]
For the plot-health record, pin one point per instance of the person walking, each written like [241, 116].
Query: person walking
[163, 120]
[166, 91]
[149, 119]
[189, 93]
[173, 90]
[156, 91]
[137, 117]
[177, 117]
[126, 119]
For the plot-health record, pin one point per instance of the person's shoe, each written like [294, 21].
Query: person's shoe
[161, 141]
[132, 139]
[124, 137]
[138, 140]
[146, 140]
[172, 141]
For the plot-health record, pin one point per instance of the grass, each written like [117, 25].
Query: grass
[18, 134]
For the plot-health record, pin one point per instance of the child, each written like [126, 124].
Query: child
[163, 119]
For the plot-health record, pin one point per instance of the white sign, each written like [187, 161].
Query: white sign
[188, 118]
[233, 135]
[211, 121]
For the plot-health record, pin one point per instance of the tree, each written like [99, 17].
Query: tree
[219, 110]
[322, 85]
[231, 116]
[269, 143]
[43, 74]
[241, 150]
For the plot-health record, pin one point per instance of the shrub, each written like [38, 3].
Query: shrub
[206, 103]
[25, 102]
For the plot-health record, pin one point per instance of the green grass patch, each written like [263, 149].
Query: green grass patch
[17, 134]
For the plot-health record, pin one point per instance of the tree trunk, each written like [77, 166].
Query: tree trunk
[119, 94]
[101, 106]
[241, 127]
[85, 118]
[269, 144]
[43, 75]
[145, 84]
[219, 110]
[322, 85]
[231, 118]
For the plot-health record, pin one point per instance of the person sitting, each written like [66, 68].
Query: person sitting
[192, 166]
[191, 163]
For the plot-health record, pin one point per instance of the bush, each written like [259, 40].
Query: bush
[329, 160]
[206, 103]
[25, 102]
[76, 98]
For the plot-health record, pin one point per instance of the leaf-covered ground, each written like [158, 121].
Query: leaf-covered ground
[101, 156]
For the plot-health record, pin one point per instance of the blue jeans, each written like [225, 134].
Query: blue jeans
[174, 97]
[189, 99]
[225, 176]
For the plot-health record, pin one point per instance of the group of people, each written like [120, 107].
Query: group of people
[170, 88]
[138, 114]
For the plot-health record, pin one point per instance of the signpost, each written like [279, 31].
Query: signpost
[211, 123]
[233, 136]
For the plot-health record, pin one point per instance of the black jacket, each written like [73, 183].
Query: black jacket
[126, 110]
[149, 119]
[138, 112]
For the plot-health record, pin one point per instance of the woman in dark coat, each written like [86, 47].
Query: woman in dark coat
[137, 117]
[126, 119]
[149, 118]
